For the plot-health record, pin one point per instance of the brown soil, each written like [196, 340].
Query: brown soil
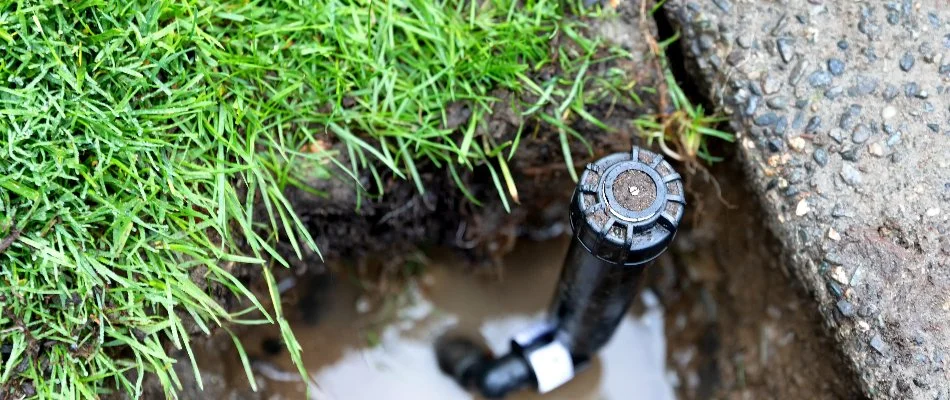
[738, 326]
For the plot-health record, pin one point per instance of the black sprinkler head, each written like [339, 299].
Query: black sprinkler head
[624, 214]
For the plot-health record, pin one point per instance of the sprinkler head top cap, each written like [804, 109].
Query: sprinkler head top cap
[627, 206]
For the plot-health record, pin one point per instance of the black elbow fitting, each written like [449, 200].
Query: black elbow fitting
[624, 213]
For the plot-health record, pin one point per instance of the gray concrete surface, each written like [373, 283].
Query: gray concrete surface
[842, 112]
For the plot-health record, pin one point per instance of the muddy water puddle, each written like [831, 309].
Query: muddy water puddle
[387, 352]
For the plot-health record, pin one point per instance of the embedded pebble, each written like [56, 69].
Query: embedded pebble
[846, 308]
[796, 143]
[799, 120]
[833, 234]
[907, 62]
[786, 48]
[837, 134]
[778, 102]
[813, 124]
[781, 125]
[852, 154]
[877, 343]
[932, 212]
[876, 149]
[723, 5]
[861, 134]
[894, 139]
[766, 119]
[802, 208]
[771, 84]
[890, 92]
[934, 127]
[850, 175]
[843, 44]
[821, 157]
[836, 66]
[888, 112]
[834, 92]
[798, 71]
[751, 105]
[911, 89]
[745, 41]
[819, 79]
[865, 86]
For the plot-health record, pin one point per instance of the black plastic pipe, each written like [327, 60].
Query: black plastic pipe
[624, 213]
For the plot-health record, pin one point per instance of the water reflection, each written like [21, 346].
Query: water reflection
[402, 364]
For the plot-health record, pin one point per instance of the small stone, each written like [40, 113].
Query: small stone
[796, 143]
[869, 28]
[863, 326]
[840, 211]
[778, 102]
[929, 107]
[736, 57]
[923, 94]
[801, 103]
[843, 44]
[877, 343]
[837, 273]
[836, 66]
[776, 145]
[755, 88]
[798, 71]
[766, 119]
[890, 92]
[893, 18]
[894, 139]
[888, 112]
[944, 69]
[834, 92]
[819, 79]
[706, 43]
[907, 62]
[786, 48]
[837, 134]
[850, 175]
[860, 134]
[723, 5]
[745, 41]
[802, 208]
[751, 106]
[890, 129]
[852, 154]
[932, 212]
[846, 308]
[865, 85]
[833, 234]
[876, 149]
[799, 120]
[934, 127]
[771, 84]
[911, 89]
[847, 121]
[781, 126]
[813, 124]
[821, 157]
[870, 54]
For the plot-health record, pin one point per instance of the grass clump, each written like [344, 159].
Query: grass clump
[138, 137]
[683, 132]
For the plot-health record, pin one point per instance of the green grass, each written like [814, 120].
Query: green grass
[682, 134]
[137, 137]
